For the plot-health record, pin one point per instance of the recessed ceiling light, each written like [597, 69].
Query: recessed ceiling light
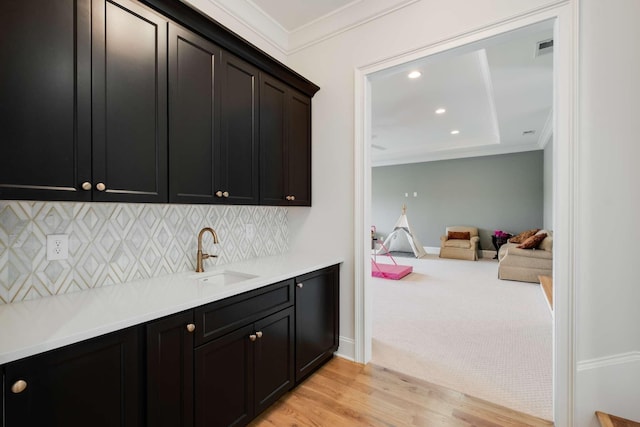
[441, 111]
[414, 74]
[455, 132]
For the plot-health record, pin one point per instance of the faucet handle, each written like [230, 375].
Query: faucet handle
[205, 256]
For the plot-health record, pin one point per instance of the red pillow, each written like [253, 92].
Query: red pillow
[533, 241]
[458, 235]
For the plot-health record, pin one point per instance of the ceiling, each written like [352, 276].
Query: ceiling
[497, 92]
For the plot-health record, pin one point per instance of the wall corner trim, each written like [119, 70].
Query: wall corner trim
[614, 359]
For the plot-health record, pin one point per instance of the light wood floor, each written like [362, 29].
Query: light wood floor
[344, 393]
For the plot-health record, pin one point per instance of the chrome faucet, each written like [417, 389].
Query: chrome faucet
[201, 255]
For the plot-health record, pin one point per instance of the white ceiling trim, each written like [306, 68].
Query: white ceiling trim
[320, 30]
[325, 16]
[390, 160]
[251, 17]
[488, 85]
[268, 17]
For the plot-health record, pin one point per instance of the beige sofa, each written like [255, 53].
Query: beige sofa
[525, 265]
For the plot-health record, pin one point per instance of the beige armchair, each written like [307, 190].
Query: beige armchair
[451, 246]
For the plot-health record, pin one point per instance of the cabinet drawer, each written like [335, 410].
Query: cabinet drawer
[221, 317]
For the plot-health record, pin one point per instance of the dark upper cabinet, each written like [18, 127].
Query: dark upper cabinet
[317, 319]
[129, 102]
[107, 100]
[285, 144]
[96, 383]
[239, 131]
[83, 101]
[45, 99]
[170, 371]
[194, 118]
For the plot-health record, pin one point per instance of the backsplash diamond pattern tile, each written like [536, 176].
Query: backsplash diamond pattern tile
[115, 243]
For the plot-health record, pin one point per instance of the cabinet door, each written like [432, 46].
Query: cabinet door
[129, 106]
[239, 127]
[273, 134]
[93, 383]
[273, 358]
[170, 371]
[299, 149]
[224, 380]
[316, 319]
[45, 99]
[285, 144]
[194, 118]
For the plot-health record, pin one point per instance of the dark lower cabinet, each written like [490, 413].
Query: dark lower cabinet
[240, 374]
[317, 321]
[170, 371]
[220, 364]
[93, 383]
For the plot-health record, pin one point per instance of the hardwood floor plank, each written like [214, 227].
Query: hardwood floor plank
[343, 393]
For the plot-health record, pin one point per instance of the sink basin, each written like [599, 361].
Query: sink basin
[222, 277]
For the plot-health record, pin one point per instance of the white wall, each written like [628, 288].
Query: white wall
[331, 65]
[548, 186]
[608, 289]
[608, 284]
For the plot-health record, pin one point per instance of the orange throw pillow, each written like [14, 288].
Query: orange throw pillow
[524, 235]
[533, 241]
[458, 235]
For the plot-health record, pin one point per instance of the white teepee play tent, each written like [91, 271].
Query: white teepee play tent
[402, 238]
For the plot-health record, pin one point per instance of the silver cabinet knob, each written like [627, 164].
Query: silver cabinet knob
[218, 193]
[288, 197]
[19, 386]
[252, 337]
[300, 285]
[259, 334]
[225, 194]
[100, 186]
[292, 198]
[191, 327]
[86, 186]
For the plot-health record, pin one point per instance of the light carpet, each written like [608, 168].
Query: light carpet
[454, 323]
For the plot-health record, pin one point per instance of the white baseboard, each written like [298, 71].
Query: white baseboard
[608, 384]
[432, 250]
[346, 348]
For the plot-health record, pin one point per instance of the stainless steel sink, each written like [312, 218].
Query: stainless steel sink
[222, 277]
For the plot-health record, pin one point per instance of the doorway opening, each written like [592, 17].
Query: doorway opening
[562, 191]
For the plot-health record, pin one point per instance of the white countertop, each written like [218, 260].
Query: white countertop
[36, 326]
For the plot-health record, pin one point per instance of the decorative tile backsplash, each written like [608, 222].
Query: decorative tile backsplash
[112, 243]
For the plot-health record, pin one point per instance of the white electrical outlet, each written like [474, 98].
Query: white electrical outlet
[57, 246]
[250, 231]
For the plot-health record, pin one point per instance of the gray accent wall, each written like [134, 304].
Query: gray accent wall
[501, 192]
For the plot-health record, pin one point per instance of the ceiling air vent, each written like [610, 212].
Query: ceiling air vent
[543, 47]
